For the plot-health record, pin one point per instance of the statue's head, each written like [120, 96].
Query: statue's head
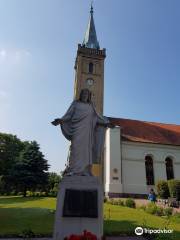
[85, 95]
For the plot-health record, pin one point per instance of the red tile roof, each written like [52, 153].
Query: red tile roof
[148, 132]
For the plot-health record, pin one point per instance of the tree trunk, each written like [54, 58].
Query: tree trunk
[24, 192]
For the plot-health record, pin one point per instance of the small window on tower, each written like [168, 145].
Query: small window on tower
[91, 67]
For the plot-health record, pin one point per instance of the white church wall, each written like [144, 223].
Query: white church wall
[134, 178]
[107, 162]
[177, 169]
[133, 162]
[129, 159]
[112, 164]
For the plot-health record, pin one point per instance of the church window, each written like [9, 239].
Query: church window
[91, 66]
[149, 170]
[169, 168]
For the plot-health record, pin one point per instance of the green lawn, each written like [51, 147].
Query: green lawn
[18, 214]
[120, 219]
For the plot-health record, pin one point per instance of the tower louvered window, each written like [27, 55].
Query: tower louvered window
[149, 170]
[91, 67]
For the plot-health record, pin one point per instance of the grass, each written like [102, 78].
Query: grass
[18, 214]
[119, 219]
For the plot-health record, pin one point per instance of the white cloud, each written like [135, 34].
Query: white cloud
[3, 53]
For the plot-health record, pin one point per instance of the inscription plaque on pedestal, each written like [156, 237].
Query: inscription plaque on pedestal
[80, 203]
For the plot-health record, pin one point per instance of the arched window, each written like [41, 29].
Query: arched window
[169, 168]
[91, 67]
[149, 170]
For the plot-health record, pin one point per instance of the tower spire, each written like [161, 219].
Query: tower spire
[91, 11]
[90, 39]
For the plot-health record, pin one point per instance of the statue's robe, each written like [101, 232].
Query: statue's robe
[81, 125]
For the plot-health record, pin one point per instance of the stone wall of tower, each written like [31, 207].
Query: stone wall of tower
[94, 80]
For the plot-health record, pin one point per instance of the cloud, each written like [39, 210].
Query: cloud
[3, 55]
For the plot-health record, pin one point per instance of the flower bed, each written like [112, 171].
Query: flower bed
[85, 236]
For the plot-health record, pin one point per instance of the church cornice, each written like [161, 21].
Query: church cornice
[100, 53]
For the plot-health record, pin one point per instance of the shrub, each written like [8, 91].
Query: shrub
[111, 201]
[27, 233]
[130, 203]
[151, 208]
[174, 185]
[29, 193]
[36, 194]
[142, 207]
[19, 193]
[120, 202]
[116, 201]
[178, 192]
[52, 193]
[43, 194]
[162, 189]
[159, 211]
[13, 193]
[168, 211]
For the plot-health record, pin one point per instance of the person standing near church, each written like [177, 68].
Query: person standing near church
[152, 195]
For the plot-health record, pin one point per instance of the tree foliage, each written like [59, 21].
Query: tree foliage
[22, 165]
[53, 180]
[162, 189]
[10, 148]
[30, 171]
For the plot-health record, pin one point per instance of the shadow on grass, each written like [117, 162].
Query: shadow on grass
[16, 220]
[127, 228]
[18, 199]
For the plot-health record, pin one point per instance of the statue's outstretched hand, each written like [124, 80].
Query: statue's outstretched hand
[57, 121]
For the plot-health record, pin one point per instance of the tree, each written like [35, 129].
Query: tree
[30, 171]
[53, 182]
[10, 148]
[162, 189]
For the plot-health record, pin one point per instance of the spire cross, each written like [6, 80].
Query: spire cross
[91, 7]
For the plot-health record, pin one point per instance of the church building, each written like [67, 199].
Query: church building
[137, 153]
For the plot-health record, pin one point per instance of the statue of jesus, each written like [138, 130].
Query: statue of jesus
[85, 128]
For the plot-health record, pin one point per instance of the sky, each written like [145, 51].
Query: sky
[38, 45]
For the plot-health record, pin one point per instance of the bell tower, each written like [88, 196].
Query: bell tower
[89, 66]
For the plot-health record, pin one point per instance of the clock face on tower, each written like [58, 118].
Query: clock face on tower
[89, 81]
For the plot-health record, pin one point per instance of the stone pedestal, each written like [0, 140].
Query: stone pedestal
[79, 207]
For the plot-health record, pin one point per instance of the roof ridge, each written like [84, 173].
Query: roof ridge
[171, 124]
